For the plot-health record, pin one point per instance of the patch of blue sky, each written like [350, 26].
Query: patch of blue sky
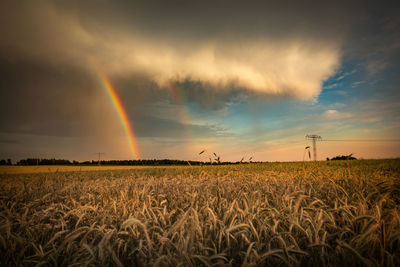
[256, 120]
[344, 85]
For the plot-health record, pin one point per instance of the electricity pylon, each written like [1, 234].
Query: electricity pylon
[314, 139]
[99, 153]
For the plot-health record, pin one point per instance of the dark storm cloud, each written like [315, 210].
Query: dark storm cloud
[154, 112]
[246, 46]
[157, 127]
[207, 96]
[9, 141]
[216, 51]
[38, 98]
[209, 19]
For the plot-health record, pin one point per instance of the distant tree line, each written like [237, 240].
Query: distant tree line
[343, 157]
[141, 162]
[37, 161]
[5, 162]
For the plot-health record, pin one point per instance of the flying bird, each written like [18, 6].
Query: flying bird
[201, 152]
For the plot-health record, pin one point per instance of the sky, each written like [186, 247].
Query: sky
[237, 78]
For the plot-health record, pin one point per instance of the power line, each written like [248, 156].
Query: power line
[346, 140]
[314, 138]
[361, 140]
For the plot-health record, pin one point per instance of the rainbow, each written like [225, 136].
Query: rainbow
[119, 107]
[178, 97]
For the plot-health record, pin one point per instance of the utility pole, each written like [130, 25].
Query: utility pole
[314, 139]
[99, 154]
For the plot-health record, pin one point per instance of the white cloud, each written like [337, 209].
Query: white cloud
[345, 74]
[375, 66]
[294, 68]
[357, 83]
[341, 93]
[337, 105]
[335, 114]
[331, 86]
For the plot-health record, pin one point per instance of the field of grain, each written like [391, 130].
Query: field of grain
[66, 168]
[274, 214]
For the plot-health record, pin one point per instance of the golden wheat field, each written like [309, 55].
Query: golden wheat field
[65, 168]
[271, 214]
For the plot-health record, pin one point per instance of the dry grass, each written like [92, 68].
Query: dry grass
[309, 214]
